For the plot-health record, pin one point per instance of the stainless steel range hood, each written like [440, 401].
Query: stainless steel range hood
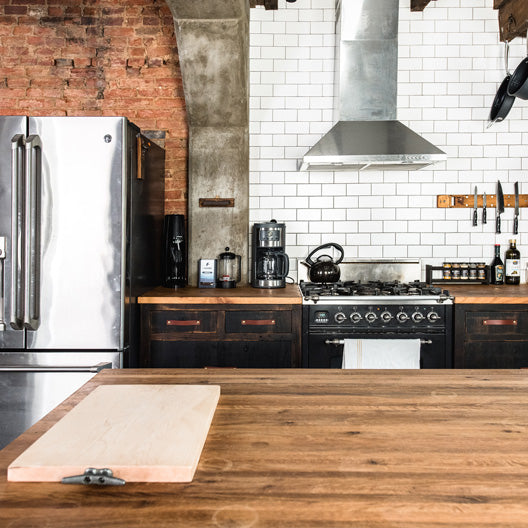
[367, 135]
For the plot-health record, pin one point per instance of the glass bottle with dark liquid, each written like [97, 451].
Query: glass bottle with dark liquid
[497, 268]
[512, 264]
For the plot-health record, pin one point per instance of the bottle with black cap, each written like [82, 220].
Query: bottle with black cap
[512, 264]
[497, 268]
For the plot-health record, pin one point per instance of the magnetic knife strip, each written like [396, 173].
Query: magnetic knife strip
[467, 200]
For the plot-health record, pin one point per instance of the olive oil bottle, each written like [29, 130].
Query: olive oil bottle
[497, 268]
[512, 260]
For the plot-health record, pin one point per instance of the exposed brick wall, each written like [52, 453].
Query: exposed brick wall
[98, 58]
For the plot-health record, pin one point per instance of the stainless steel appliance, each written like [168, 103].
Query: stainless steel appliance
[366, 135]
[270, 264]
[81, 218]
[376, 309]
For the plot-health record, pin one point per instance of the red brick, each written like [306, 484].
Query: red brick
[100, 38]
[15, 10]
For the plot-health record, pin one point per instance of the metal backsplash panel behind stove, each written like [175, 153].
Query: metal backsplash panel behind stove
[402, 270]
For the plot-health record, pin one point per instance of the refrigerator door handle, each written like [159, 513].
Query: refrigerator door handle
[32, 235]
[2, 283]
[17, 222]
[41, 368]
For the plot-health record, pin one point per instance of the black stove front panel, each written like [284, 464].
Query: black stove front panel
[326, 326]
[380, 317]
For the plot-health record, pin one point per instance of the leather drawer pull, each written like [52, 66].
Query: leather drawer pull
[172, 322]
[258, 322]
[500, 322]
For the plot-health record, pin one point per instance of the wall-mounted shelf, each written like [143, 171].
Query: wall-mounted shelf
[467, 200]
[434, 275]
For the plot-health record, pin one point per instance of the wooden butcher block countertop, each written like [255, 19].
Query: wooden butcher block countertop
[488, 294]
[314, 448]
[242, 295]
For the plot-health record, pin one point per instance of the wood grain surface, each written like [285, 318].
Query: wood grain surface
[145, 433]
[312, 448]
[488, 294]
[242, 295]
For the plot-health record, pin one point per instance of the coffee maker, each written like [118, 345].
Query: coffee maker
[270, 265]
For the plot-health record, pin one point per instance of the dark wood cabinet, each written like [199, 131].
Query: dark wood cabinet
[491, 336]
[220, 335]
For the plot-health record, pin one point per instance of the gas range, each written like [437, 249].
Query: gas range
[372, 292]
[370, 304]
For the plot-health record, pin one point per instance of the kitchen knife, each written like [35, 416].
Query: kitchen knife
[484, 212]
[516, 216]
[500, 207]
[475, 207]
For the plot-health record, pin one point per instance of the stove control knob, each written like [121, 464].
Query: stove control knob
[371, 317]
[386, 317]
[433, 316]
[355, 317]
[417, 317]
[339, 317]
[402, 317]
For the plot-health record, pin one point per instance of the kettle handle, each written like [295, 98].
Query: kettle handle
[309, 261]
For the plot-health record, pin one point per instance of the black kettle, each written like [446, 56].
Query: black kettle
[324, 269]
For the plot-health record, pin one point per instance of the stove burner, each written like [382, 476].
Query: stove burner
[370, 288]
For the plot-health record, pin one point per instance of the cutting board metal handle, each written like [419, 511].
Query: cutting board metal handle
[97, 477]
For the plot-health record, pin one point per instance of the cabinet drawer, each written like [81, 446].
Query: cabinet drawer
[497, 324]
[258, 321]
[179, 321]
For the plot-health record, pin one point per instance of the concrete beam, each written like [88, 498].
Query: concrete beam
[213, 46]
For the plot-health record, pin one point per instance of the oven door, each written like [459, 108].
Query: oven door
[326, 350]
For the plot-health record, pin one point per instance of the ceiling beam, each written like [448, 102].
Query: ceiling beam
[419, 5]
[268, 4]
[513, 18]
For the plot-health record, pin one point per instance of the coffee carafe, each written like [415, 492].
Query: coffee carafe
[270, 264]
[229, 269]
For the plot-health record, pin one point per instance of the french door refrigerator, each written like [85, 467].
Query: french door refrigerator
[81, 215]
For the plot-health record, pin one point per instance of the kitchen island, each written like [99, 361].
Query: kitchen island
[313, 448]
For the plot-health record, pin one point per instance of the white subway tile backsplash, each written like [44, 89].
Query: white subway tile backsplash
[450, 65]
[321, 202]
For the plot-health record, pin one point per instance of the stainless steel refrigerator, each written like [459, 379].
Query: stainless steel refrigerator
[81, 216]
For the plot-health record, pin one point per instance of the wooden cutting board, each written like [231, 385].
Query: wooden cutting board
[143, 433]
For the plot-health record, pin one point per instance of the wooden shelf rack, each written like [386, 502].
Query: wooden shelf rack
[466, 200]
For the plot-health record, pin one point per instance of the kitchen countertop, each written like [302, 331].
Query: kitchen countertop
[241, 295]
[314, 448]
[463, 293]
[487, 293]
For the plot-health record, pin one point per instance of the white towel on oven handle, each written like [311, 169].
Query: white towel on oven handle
[381, 354]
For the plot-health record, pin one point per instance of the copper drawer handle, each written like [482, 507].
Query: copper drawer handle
[258, 322]
[173, 322]
[500, 322]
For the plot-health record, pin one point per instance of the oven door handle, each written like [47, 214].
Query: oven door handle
[337, 342]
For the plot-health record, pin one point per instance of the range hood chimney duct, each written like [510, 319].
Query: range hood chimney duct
[367, 135]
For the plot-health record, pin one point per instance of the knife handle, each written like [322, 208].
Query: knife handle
[484, 216]
[515, 225]
[475, 220]
[497, 224]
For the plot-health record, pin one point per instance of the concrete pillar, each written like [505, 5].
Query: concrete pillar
[213, 47]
